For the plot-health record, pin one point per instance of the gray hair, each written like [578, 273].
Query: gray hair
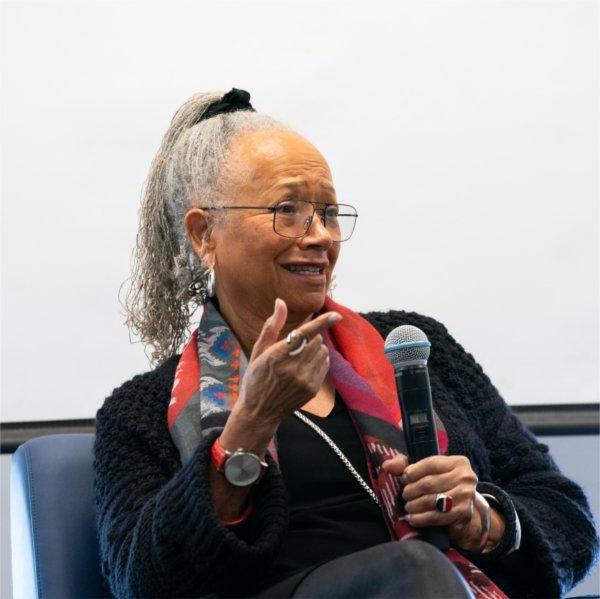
[190, 169]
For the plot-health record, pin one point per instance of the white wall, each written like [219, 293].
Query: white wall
[466, 133]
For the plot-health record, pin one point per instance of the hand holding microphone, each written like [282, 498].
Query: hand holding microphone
[440, 491]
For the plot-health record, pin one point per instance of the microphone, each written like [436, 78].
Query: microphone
[407, 348]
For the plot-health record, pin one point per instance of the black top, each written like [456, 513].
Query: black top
[159, 535]
[331, 515]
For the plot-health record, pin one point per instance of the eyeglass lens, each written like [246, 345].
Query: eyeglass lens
[294, 217]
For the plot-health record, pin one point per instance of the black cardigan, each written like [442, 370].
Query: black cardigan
[159, 535]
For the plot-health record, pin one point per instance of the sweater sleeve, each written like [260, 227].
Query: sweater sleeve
[559, 543]
[158, 532]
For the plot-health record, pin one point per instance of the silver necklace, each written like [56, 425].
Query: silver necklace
[339, 453]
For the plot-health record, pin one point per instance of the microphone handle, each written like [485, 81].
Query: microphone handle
[414, 392]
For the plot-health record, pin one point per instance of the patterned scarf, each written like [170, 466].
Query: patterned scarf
[207, 382]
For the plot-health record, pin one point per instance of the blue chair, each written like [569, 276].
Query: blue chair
[55, 552]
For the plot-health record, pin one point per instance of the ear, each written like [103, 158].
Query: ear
[199, 226]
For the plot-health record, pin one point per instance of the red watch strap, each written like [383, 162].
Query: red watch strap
[218, 455]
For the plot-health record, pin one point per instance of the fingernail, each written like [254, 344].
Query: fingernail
[334, 318]
[404, 479]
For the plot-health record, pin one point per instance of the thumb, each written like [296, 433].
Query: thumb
[271, 329]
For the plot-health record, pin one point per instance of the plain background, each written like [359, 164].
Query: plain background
[466, 133]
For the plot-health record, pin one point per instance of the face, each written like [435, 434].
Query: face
[252, 263]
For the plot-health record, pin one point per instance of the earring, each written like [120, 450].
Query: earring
[204, 285]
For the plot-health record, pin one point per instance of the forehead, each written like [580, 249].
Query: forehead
[270, 160]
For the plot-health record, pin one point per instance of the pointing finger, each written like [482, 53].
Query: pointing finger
[319, 325]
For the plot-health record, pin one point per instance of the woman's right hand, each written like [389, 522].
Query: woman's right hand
[275, 383]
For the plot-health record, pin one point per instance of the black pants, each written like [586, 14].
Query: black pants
[398, 570]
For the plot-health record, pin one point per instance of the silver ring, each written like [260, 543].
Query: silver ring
[292, 336]
[296, 351]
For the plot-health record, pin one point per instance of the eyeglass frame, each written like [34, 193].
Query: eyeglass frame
[273, 209]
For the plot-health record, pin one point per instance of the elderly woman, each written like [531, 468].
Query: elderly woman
[268, 459]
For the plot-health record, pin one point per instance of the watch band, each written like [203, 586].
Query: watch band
[219, 457]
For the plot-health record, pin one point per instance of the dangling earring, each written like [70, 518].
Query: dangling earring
[204, 285]
[210, 283]
[331, 286]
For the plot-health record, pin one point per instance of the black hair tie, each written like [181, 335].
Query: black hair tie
[236, 99]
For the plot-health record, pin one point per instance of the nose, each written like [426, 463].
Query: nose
[316, 235]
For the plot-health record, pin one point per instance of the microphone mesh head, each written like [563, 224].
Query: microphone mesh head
[406, 344]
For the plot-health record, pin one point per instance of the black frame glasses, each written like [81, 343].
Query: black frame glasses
[348, 211]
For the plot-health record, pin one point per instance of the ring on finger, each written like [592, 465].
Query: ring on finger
[443, 502]
[292, 336]
[296, 351]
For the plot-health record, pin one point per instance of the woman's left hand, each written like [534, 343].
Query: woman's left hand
[451, 475]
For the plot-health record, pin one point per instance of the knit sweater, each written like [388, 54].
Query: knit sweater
[160, 537]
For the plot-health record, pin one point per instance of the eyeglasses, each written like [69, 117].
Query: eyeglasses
[293, 218]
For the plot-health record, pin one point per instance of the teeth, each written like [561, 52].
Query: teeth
[310, 270]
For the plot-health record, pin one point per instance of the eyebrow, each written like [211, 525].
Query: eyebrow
[297, 184]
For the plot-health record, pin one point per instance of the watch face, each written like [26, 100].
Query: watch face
[242, 469]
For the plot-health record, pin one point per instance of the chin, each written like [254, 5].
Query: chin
[307, 304]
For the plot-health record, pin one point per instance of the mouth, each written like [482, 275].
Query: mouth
[313, 272]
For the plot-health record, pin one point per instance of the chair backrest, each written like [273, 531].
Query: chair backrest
[55, 551]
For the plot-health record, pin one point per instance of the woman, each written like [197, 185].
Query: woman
[219, 472]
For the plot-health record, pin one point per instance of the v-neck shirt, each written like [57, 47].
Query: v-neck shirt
[331, 515]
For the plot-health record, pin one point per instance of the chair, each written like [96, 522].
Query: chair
[55, 552]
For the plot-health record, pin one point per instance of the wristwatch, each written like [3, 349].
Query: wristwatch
[241, 468]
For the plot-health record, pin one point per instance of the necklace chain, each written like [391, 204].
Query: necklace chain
[339, 453]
